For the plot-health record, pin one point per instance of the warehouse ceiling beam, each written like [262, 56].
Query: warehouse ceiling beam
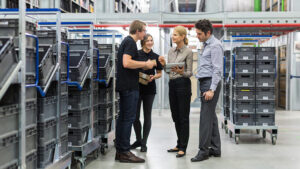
[187, 18]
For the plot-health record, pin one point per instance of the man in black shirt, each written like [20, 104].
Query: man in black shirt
[128, 88]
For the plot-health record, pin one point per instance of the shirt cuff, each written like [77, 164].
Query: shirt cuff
[213, 87]
[186, 74]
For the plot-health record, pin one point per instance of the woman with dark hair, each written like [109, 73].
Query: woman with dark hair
[147, 92]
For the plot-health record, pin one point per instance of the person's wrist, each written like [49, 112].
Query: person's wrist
[211, 90]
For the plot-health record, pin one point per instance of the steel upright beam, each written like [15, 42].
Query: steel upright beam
[22, 94]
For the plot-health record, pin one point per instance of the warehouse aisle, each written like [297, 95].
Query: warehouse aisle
[253, 152]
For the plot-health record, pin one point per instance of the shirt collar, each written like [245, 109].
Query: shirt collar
[181, 49]
[209, 40]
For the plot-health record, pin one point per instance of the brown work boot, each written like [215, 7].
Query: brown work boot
[128, 157]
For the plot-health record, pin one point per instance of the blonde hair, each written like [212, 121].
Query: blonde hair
[182, 31]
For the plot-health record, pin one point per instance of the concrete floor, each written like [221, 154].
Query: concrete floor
[253, 152]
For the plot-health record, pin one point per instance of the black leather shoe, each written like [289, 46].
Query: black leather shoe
[198, 158]
[173, 150]
[135, 145]
[180, 155]
[214, 153]
[143, 149]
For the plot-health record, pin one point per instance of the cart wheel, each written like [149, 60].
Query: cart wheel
[264, 133]
[80, 165]
[257, 131]
[96, 154]
[230, 133]
[237, 139]
[102, 150]
[274, 139]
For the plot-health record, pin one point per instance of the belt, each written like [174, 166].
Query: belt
[204, 78]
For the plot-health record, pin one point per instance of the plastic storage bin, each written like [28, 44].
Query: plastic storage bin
[47, 108]
[245, 119]
[244, 67]
[244, 53]
[247, 107]
[47, 63]
[244, 93]
[265, 80]
[265, 107]
[265, 67]
[244, 80]
[78, 137]
[105, 111]
[265, 93]
[47, 131]
[79, 118]
[79, 64]
[79, 100]
[265, 53]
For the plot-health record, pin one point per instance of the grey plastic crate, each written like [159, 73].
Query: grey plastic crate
[9, 148]
[9, 118]
[265, 93]
[105, 126]
[47, 108]
[243, 93]
[245, 119]
[244, 53]
[64, 144]
[107, 48]
[79, 100]
[247, 107]
[244, 80]
[31, 139]
[268, 67]
[64, 104]
[30, 66]
[64, 123]
[265, 107]
[49, 37]
[78, 137]
[245, 67]
[81, 44]
[31, 112]
[265, 119]
[265, 80]
[105, 111]
[63, 67]
[11, 96]
[46, 154]
[79, 64]
[47, 63]
[47, 131]
[105, 95]
[265, 53]
[10, 27]
[31, 160]
[79, 118]
[105, 65]
[8, 59]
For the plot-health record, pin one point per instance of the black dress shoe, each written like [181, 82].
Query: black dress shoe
[214, 153]
[180, 155]
[135, 145]
[173, 150]
[198, 158]
[143, 149]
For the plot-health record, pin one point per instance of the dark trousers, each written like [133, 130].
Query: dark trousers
[128, 104]
[147, 107]
[180, 99]
[209, 131]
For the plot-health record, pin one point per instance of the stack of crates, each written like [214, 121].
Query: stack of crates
[64, 119]
[226, 84]
[243, 100]
[9, 104]
[9, 132]
[47, 125]
[265, 86]
[79, 114]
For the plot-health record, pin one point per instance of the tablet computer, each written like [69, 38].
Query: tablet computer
[169, 66]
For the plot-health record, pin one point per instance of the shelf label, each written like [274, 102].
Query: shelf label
[245, 57]
[245, 97]
[265, 84]
[266, 71]
[245, 111]
[266, 110]
[245, 71]
[265, 97]
[245, 124]
[69, 144]
[245, 84]
[265, 124]
[265, 57]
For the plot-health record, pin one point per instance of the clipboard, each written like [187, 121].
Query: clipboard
[169, 66]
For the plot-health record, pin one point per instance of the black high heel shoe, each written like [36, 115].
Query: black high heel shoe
[173, 150]
[135, 145]
[180, 155]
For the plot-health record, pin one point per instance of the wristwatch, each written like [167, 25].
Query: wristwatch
[212, 90]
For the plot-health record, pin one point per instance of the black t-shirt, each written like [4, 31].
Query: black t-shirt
[151, 87]
[127, 79]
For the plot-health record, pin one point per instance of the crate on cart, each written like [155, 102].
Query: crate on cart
[105, 65]
[79, 100]
[78, 136]
[47, 108]
[46, 153]
[244, 80]
[81, 44]
[244, 67]
[265, 93]
[265, 53]
[47, 131]
[244, 53]
[105, 111]
[240, 93]
[79, 118]
[47, 63]
[245, 119]
[79, 64]
[265, 80]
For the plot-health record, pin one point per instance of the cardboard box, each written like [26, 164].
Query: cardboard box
[144, 78]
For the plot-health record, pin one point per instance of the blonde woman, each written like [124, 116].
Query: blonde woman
[180, 88]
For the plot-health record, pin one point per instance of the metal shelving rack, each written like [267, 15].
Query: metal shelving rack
[233, 129]
[60, 162]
